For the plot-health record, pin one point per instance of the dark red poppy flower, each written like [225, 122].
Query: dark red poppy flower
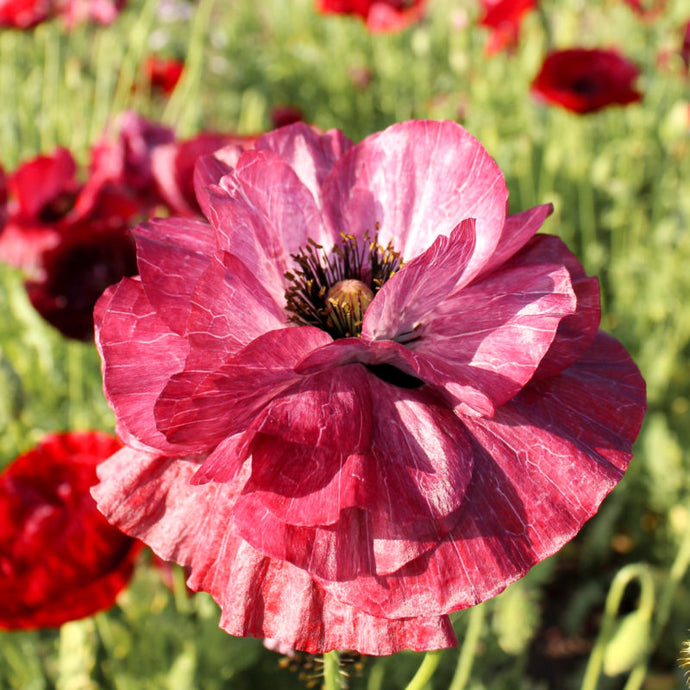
[584, 80]
[163, 73]
[379, 15]
[282, 115]
[71, 239]
[360, 397]
[504, 17]
[685, 46]
[172, 167]
[59, 558]
[3, 200]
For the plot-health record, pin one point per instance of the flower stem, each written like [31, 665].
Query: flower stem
[426, 669]
[469, 648]
[331, 671]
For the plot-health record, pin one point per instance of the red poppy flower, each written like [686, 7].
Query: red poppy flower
[360, 397]
[584, 80]
[282, 115]
[23, 14]
[72, 239]
[379, 15]
[685, 46]
[172, 167]
[647, 9]
[163, 73]
[504, 17]
[59, 558]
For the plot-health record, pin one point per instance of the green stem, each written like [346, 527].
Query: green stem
[469, 648]
[331, 671]
[425, 671]
[635, 571]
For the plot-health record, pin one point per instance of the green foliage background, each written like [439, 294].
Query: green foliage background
[619, 183]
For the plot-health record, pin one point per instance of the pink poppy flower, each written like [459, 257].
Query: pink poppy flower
[361, 396]
[585, 80]
[504, 17]
[379, 15]
[59, 558]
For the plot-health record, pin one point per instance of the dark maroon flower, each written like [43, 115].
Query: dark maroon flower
[360, 396]
[163, 73]
[504, 17]
[685, 46]
[282, 115]
[59, 558]
[379, 15]
[584, 80]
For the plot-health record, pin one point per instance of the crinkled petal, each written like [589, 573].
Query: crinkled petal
[543, 465]
[140, 354]
[419, 286]
[272, 206]
[151, 497]
[309, 153]
[415, 181]
[229, 308]
[203, 410]
[172, 254]
[490, 336]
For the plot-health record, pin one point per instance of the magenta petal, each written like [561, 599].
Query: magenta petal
[140, 353]
[490, 336]
[274, 205]
[517, 231]
[415, 181]
[209, 170]
[419, 286]
[544, 463]
[310, 154]
[150, 497]
[201, 409]
[230, 307]
[172, 254]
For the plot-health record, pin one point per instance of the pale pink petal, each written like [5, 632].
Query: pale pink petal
[419, 286]
[151, 497]
[140, 353]
[309, 153]
[202, 409]
[172, 254]
[415, 181]
[543, 465]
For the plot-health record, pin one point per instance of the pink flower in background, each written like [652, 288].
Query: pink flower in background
[504, 17]
[361, 396]
[59, 558]
[379, 15]
[24, 14]
[585, 80]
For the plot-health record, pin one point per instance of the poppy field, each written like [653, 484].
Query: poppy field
[344, 344]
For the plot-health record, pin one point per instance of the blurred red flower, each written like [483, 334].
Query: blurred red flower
[647, 9]
[379, 15]
[504, 17]
[24, 14]
[71, 239]
[163, 73]
[361, 396]
[585, 80]
[685, 46]
[282, 115]
[60, 560]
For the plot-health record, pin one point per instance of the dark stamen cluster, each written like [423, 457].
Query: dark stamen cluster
[318, 270]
